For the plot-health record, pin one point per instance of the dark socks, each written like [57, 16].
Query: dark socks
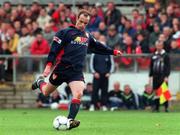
[74, 108]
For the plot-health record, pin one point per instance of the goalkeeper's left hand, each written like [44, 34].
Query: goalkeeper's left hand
[117, 53]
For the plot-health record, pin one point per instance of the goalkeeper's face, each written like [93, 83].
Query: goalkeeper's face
[82, 22]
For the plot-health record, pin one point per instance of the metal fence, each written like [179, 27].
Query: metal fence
[18, 66]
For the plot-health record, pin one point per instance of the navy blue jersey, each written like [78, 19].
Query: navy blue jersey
[69, 48]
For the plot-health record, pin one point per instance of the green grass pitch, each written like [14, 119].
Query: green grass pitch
[39, 122]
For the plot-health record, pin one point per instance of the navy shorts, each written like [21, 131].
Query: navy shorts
[65, 74]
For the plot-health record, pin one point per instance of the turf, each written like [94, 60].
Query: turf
[39, 122]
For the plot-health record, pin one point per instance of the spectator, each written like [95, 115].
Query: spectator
[167, 35]
[158, 7]
[48, 33]
[101, 66]
[121, 27]
[94, 21]
[164, 22]
[100, 11]
[21, 12]
[71, 16]
[43, 18]
[39, 46]
[17, 26]
[86, 5]
[14, 16]
[56, 15]
[135, 21]
[147, 99]
[102, 28]
[174, 47]
[151, 16]
[3, 31]
[35, 9]
[35, 28]
[87, 94]
[53, 25]
[129, 100]
[175, 50]
[129, 29]
[142, 42]
[128, 48]
[115, 97]
[2, 15]
[23, 48]
[29, 14]
[7, 7]
[113, 38]
[170, 13]
[150, 23]
[4, 62]
[154, 37]
[112, 15]
[51, 8]
[13, 39]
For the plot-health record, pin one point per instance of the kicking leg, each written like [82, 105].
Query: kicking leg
[45, 88]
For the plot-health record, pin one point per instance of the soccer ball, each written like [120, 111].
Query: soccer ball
[61, 123]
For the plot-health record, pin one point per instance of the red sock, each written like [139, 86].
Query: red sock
[74, 108]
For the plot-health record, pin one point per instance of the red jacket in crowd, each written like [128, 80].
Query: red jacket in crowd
[40, 47]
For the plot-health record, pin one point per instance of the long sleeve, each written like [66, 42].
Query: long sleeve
[56, 45]
[97, 47]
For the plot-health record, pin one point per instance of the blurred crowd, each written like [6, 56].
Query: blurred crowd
[28, 30]
[117, 99]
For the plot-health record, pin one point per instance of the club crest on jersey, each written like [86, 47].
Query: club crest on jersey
[57, 40]
[80, 40]
[54, 76]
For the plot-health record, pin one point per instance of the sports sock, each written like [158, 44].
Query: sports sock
[40, 84]
[74, 108]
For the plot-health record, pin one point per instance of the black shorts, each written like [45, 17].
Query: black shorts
[65, 74]
[157, 81]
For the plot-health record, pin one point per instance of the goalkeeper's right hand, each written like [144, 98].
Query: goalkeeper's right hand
[47, 69]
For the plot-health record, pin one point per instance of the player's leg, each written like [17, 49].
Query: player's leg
[77, 88]
[45, 88]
